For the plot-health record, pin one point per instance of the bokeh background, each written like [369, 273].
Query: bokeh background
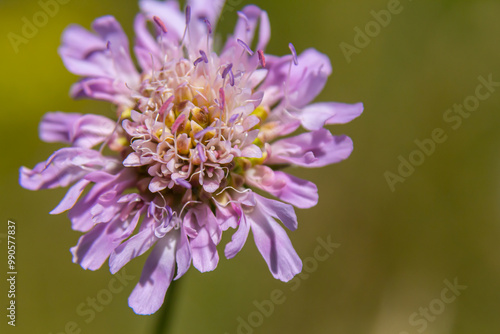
[396, 248]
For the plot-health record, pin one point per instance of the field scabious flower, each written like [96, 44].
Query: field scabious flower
[195, 131]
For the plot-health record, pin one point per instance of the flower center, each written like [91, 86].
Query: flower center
[194, 126]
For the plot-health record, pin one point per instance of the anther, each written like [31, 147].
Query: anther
[160, 24]
[209, 25]
[245, 46]
[262, 59]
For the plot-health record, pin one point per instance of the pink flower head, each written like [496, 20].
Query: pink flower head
[196, 130]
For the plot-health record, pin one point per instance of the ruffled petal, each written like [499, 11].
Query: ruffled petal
[56, 127]
[64, 167]
[204, 251]
[204, 245]
[116, 40]
[183, 255]
[238, 239]
[300, 193]
[82, 215]
[133, 247]
[316, 116]
[105, 89]
[311, 149]
[274, 246]
[305, 81]
[149, 294]
[246, 27]
[284, 212]
[146, 48]
[71, 197]
[81, 131]
[96, 246]
[104, 55]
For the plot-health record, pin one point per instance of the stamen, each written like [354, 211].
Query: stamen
[188, 15]
[245, 46]
[209, 25]
[204, 56]
[160, 24]
[294, 54]
[188, 20]
[201, 152]
[262, 59]
[222, 98]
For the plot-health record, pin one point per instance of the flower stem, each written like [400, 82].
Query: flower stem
[164, 325]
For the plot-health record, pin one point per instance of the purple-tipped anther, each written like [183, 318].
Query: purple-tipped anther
[245, 46]
[226, 70]
[160, 24]
[294, 54]
[203, 58]
[188, 15]
[209, 25]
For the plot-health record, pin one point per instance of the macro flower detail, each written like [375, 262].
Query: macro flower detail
[196, 131]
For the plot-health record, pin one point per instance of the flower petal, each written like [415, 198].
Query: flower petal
[133, 247]
[247, 25]
[238, 239]
[304, 81]
[284, 212]
[56, 127]
[274, 246]
[116, 41]
[71, 197]
[149, 294]
[300, 193]
[204, 245]
[146, 49]
[315, 116]
[311, 149]
[169, 13]
[64, 167]
[106, 89]
[96, 246]
[183, 255]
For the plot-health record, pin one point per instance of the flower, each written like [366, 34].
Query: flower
[195, 132]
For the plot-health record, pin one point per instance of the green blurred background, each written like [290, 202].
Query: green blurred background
[396, 248]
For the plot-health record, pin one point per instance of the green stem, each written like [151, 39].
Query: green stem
[164, 324]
